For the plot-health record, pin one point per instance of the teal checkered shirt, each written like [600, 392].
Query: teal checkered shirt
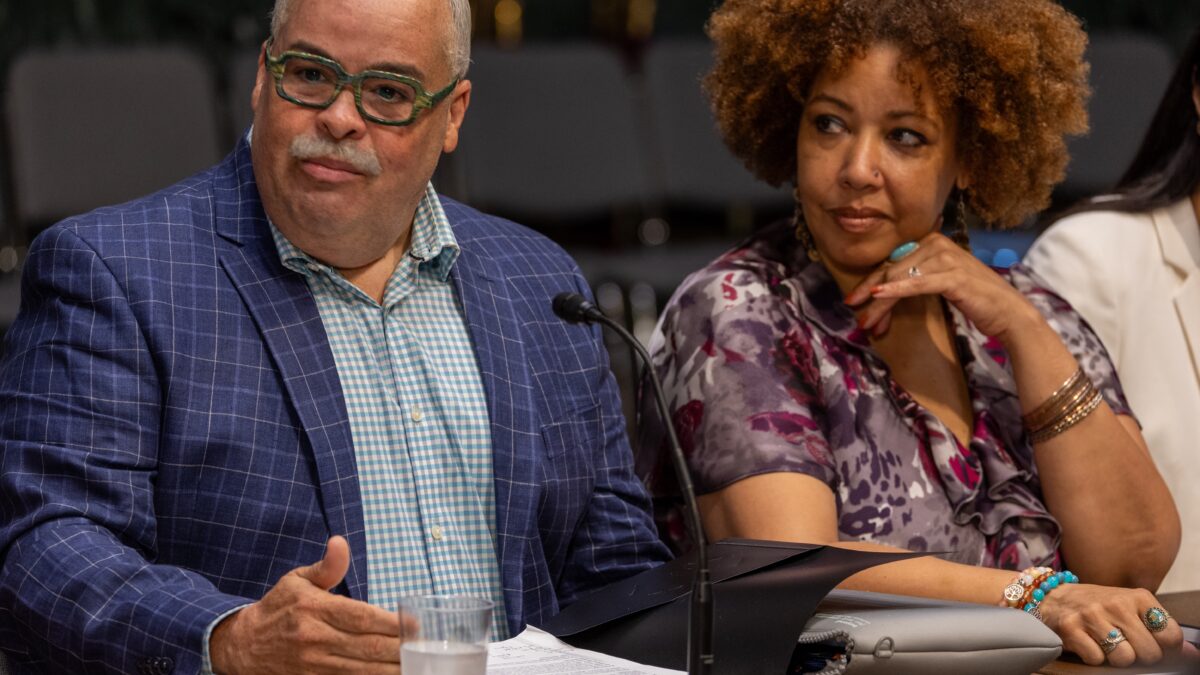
[418, 418]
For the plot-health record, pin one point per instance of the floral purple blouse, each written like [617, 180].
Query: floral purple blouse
[765, 370]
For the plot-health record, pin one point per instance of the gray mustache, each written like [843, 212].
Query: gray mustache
[313, 147]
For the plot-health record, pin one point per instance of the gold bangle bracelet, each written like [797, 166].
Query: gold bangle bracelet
[1068, 405]
[1052, 406]
[1072, 418]
[1076, 416]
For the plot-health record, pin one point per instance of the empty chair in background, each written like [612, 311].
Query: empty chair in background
[691, 161]
[1129, 72]
[709, 199]
[94, 126]
[552, 137]
[243, 69]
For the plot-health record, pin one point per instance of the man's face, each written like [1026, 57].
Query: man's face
[341, 188]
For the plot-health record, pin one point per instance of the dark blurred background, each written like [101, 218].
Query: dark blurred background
[586, 123]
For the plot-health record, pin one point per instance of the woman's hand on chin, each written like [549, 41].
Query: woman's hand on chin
[938, 266]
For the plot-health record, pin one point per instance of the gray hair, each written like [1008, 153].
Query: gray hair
[458, 50]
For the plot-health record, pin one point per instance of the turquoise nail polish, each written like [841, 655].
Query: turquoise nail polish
[902, 250]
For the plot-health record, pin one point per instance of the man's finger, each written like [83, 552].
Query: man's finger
[369, 648]
[354, 616]
[330, 570]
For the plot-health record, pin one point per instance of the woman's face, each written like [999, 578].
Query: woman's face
[874, 166]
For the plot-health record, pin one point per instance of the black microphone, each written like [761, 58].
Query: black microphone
[575, 308]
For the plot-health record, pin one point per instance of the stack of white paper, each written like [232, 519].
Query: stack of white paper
[536, 652]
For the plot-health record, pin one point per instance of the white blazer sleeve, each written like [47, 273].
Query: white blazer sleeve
[1085, 259]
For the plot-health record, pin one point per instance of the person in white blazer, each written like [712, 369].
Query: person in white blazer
[1129, 262]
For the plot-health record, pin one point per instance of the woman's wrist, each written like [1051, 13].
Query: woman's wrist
[1041, 363]
[1032, 586]
[1067, 406]
[1025, 328]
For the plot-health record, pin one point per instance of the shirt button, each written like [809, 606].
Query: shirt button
[417, 415]
[437, 532]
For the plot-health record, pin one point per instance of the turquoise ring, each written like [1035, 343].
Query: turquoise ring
[1110, 641]
[903, 250]
[1156, 619]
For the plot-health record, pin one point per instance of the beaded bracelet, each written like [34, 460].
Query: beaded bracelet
[1037, 595]
[1015, 593]
[1031, 587]
[1037, 585]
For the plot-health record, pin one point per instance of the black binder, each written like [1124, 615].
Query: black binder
[764, 592]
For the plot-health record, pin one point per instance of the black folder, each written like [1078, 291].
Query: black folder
[763, 593]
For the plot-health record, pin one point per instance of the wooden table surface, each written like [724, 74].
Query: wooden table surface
[1184, 607]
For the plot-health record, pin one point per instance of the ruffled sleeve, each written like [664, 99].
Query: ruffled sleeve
[1076, 334]
[741, 379]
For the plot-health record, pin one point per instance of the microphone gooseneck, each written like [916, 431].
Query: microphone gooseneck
[575, 308]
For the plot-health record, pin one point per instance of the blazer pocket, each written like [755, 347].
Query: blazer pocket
[577, 434]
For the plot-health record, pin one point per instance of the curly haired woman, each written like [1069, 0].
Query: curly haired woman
[857, 377]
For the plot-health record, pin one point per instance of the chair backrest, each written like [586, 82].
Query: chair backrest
[696, 167]
[95, 126]
[243, 68]
[1129, 75]
[551, 131]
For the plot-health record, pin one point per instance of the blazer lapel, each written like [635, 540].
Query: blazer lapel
[286, 314]
[1179, 237]
[1187, 305]
[496, 335]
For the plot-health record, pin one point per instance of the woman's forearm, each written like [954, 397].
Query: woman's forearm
[928, 577]
[1120, 526]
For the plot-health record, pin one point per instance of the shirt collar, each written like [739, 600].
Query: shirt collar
[433, 244]
[433, 241]
[822, 303]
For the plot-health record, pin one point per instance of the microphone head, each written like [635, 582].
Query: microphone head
[573, 307]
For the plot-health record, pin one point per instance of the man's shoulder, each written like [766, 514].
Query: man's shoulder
[494, 236]
[182, 212]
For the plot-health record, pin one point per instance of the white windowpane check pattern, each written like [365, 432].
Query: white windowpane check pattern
[419, 420]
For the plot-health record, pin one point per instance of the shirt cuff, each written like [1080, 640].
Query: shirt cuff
[206, 665]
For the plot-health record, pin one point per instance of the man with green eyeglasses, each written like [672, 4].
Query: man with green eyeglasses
[246, 414]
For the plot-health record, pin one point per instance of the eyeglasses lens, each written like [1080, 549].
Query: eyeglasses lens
[316, 83]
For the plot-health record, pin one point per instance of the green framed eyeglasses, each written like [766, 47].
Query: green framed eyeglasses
[381, 97]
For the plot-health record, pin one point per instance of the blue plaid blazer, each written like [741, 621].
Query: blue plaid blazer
[175, 438]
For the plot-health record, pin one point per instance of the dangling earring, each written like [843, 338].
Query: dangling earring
[959, 234]
[800, 226]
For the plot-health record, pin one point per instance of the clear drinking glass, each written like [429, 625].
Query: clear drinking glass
[448, 634]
